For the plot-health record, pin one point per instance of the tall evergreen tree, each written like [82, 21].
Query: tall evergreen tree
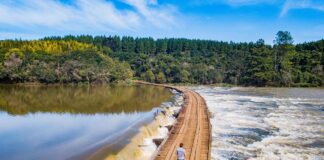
[283, 53]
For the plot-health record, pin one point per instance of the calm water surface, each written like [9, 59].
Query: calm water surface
[73, 122]
[266, 123]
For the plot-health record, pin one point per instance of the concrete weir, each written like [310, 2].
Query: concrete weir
[192, 128]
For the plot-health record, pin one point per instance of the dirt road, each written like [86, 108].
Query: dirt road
[192, 128]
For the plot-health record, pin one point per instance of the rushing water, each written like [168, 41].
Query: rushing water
[73, 122]
[266, 123]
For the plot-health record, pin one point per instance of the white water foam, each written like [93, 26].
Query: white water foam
[142, 146]
[261, 125]
[167, 119]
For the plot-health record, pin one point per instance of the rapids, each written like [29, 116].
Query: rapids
[266, 123]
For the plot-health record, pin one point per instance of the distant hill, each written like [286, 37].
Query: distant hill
[59, 61]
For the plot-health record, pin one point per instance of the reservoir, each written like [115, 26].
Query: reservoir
[73, 122]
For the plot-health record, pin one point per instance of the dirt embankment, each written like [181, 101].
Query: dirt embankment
[192, 128]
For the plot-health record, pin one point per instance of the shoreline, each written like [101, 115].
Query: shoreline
[167, 85]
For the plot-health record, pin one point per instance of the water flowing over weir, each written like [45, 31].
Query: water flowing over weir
[266, 123]
[144, 145]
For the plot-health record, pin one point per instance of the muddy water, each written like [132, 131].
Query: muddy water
[69, 122]
[266, 123]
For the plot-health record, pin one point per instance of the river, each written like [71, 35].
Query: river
[73, 122]
[266, 123]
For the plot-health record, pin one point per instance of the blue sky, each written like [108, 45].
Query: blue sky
[226, 20]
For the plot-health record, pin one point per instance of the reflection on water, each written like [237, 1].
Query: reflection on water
[266, 123]
[19, 100]
[69, 122]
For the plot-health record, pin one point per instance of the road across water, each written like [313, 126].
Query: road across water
[192, 128]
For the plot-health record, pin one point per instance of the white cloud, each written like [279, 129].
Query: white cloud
[159, 16]
[84, 15]
[302, 4]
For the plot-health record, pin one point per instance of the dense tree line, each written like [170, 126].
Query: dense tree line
[205, 61]
[57, 62]
[179, 60]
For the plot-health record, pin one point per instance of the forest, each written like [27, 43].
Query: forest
[58, 62]
[86, 58]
